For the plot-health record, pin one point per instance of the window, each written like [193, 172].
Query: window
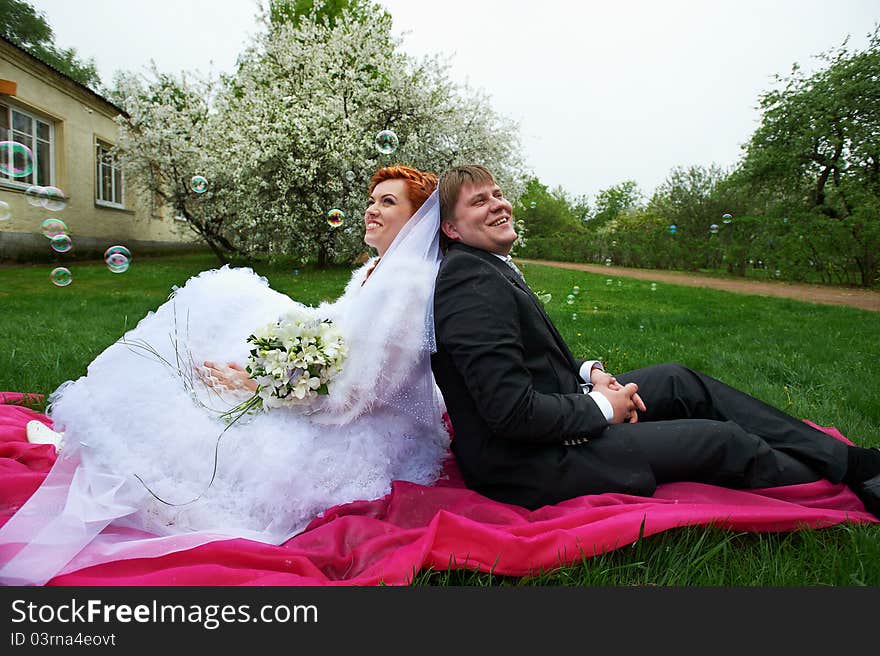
[39, 137]
[108, 178]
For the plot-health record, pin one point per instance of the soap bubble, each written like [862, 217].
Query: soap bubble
[34, 195]
[386, 142]
[21, 156]
[52, 198]
[61, 277]
[61, 243]
[53, 227]
[117, 258]
[5, 211]
[199, 184]
[335, 217]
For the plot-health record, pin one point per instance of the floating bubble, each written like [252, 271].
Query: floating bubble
[641, 327]
[614, 243]
[569, 299]
[386, 142]
[53, 227]
[117, 258]
[349, 175]
[61, 243]
[5, 211]
[16, 159]
[118, 263]
[673, 229]
[608, 281]
[713, 228]
[34, 195]
[533, 204]
[335, 218]
[61, 277]
[199, 184]
[653, 286]
[574, 317]
[607, 261]
[576, 290]
[727, 218]
[296, 272]
[595, 309]
[785, 219]
[777, 273]
[52, 198]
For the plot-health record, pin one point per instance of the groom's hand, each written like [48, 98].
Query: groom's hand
[598, 377]
[624, 400]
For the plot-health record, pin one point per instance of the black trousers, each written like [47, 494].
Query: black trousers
[697, 428]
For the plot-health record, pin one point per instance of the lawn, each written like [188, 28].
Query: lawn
[816, 362]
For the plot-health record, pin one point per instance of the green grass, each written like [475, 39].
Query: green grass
[816, 362]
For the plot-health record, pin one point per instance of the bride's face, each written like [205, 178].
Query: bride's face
[388, 209]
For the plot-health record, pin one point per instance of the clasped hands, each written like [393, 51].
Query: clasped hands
[624, 399]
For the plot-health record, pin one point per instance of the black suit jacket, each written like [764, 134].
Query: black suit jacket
[512, 390]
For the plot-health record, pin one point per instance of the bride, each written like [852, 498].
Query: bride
[147, 467]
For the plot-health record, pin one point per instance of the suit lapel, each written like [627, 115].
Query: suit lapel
[518, 282]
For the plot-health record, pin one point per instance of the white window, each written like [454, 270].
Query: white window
[109, 186]
[38, 135]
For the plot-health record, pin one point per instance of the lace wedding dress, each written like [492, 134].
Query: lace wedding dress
[133, 423]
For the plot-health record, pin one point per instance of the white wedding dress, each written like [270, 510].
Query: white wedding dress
[132, 417]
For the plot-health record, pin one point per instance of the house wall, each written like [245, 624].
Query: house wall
[80, 118]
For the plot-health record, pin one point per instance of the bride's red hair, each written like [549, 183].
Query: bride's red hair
[419, 184]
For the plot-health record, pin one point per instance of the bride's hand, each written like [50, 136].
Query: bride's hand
[231, 376]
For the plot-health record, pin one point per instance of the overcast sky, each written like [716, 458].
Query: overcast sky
[603, 91]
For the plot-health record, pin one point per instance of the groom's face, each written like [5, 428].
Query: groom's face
[483, 218]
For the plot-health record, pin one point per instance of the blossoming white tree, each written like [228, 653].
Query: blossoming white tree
[291, 135]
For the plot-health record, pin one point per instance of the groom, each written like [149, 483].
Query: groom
[534, 425]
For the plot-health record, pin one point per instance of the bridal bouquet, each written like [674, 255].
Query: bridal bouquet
[292, 361]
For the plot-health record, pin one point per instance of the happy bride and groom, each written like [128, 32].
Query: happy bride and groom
[441, 318]
[534, 425]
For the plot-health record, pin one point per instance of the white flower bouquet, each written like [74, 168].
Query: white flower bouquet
[292, 361]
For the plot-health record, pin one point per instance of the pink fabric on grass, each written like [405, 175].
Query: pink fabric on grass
[388, 540]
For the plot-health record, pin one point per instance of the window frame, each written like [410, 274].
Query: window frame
[10, 182]
[115, 167]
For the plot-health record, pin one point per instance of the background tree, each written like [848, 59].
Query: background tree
[816, 157]
[291, 135]
[616, 199]
[28, 29]
[550, 223]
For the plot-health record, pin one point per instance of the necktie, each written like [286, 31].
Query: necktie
[509, 261]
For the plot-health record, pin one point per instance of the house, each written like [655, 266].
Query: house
[70, 130]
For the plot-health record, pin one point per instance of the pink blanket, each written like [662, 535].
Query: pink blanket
[388, 540]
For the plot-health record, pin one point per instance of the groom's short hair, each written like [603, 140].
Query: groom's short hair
[449, 189]
[454, 179]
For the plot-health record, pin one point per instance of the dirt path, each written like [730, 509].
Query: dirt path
[854, 297]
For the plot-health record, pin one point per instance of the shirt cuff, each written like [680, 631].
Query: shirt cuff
[587, 367]
[604, 405]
